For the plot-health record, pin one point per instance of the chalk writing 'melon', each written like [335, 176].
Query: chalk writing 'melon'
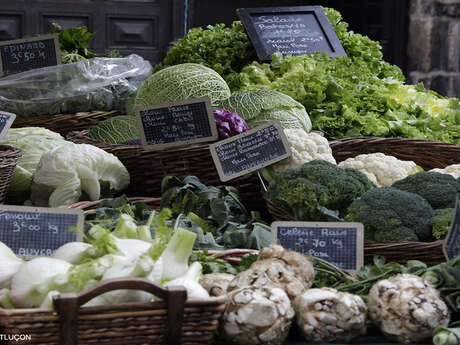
[34, 233]
[27, 55]
[250, 151]
[335, 245]
[176, 123]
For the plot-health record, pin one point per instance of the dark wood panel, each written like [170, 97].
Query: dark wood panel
[144, 27]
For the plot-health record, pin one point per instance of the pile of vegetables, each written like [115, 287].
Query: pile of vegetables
[123, 129]
[161, 258]
[395, 200]
[54, 172]
[357, 95]
[407, 303]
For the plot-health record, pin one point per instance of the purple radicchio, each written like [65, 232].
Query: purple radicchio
[228, 123]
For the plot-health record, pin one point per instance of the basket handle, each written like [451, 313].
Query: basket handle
[68, 304]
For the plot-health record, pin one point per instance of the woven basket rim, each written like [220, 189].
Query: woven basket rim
[189, 302]
[392, 139]
[28, 118]
[139, 148]
[85, 204]
[8, 148]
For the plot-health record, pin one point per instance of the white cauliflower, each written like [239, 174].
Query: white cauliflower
[453, 170]
[305, 147]
[383, 170]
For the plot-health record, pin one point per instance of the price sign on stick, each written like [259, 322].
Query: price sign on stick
[452, 242]
[39, 231]
[29, 53]
[6, 119]
[339, 243]
[176, 124]
[290, 30]
[250, 151]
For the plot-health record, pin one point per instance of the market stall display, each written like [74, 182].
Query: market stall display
[362, 147]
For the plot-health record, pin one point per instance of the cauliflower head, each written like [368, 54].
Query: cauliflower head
[383, 170]
[305, 147]
[453, 170]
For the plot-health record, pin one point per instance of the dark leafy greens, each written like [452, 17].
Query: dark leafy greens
[216, 210]
[74, 44]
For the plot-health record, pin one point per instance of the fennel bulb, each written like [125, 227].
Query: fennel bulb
[35, 278]
[9, 265]
[174, 257]
[190, 280]
[74, 252]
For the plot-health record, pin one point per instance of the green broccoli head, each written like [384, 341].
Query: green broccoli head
[389, 214]
[440, 190]
[344, 185]
[299, 196]
[441, 221]
[318, 190]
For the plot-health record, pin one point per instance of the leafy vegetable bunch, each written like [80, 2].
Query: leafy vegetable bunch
[217, 211]
[74, 43]
[223, 49]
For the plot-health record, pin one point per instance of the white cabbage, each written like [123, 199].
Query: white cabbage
[34, 142]
[65, 173]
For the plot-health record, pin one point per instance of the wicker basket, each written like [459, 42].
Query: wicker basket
[65, 123]
[147, 167]
[172, 321]
[427, 154]
[9, 157]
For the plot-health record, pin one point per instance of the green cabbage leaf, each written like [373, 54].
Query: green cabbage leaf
[115, 130]
[257, 107]
[180, 82]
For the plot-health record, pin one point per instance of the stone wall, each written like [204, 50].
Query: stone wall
[434, 45]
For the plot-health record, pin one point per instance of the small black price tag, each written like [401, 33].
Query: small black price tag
[451, 244]
[6, 120]
[341, 244]
[177, 123]
[250, 151]
[290, 31]
[29, 53]
[39, 231]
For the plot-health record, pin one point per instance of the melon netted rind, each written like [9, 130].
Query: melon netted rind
[181, 82]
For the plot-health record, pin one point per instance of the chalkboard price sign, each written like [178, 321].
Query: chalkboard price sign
[452, 241]
[176, 124]
[250, 151]
[38, 231]
[6, 119]
[29, 53]
[290, 31]
[339, 243]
